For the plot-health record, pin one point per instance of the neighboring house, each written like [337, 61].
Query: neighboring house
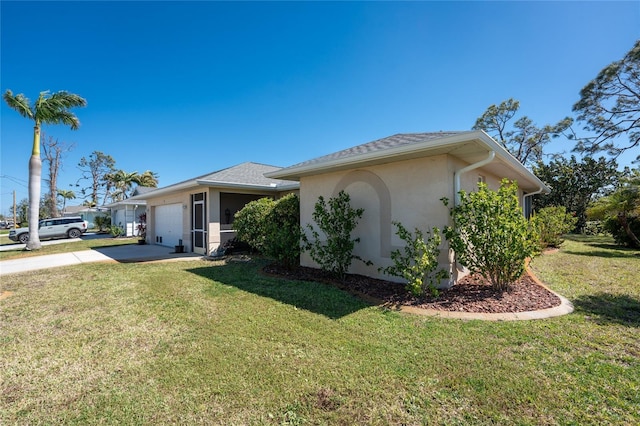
[86, 213]
[199, 212]
[126, 213]
[403, 178]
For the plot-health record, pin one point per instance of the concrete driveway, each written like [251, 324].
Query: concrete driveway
[124, 253]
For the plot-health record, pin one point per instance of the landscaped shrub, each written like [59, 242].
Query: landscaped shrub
[490, 235]
[116, 230]
[419, 261]
[613, 226]
[282, 229]
[102, 222]
[594, 227]
[337, 220]
[249, 223]
[551, 223]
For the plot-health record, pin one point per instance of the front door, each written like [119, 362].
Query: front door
[199, 222]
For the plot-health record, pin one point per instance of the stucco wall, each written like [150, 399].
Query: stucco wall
[408, 192]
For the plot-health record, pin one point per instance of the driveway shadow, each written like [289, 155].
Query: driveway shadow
[610, 308]
[316, 297]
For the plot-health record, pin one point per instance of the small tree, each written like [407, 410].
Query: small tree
[249, 223]
[337, 220]
[551, 223]
[490, 235]
[102, 222]
[419, 261]
[282, 227]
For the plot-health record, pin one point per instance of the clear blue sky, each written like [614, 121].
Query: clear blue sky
[187, 88]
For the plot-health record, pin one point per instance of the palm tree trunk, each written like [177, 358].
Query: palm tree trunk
[35, 175]
[622, 218]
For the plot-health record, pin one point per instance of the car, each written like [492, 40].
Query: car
[58, 227]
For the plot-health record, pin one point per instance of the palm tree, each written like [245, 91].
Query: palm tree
[148, 179]
[66, 195]
[121, 182]
[47, 109]
[623, 203]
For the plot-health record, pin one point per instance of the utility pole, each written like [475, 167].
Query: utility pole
[14, 209]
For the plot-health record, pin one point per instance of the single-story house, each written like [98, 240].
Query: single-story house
[126, 213]
[403, 178]
[198, 213]
[86, 213]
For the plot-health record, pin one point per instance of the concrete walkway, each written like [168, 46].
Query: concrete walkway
[124, 253]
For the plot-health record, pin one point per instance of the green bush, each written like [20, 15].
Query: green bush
[249, 223]
[337, 220]
[613, 226]
[282, 228]
[116, 230]
[551, 223]
[594, 227]
[490, 235]
[418, 262]
[102, 222]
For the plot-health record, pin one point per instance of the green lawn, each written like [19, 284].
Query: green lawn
[63, 247]
[203, 342]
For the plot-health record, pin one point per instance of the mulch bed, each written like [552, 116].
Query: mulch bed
[471, 294]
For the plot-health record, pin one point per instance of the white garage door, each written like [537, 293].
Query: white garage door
[168, 224]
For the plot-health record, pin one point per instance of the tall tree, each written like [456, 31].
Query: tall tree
[148, 179]
[609, 105]
[522, 138]
[47, 109]
[120, 183]
[53, 151]
[94, 169]
[574, 184]
[65, 195]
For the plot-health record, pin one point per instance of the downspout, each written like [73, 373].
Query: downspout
[458, 173]
[453, 274]
[524, 200]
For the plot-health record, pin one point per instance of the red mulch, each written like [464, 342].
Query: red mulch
[470, 294]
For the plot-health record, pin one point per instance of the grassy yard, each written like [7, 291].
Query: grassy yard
[63, 247]
[213, 343]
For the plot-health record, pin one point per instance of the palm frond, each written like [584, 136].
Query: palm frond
[54, 109]
[64, 100]
[20, 103]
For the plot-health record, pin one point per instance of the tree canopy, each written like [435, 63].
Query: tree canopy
[522, 138]
[574, 184]
[609, 106]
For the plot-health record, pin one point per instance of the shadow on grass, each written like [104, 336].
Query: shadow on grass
[608, 252]
[609, 308]
[312, 296]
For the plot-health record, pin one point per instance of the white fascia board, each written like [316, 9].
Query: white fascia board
[255, 187]
[166, 190]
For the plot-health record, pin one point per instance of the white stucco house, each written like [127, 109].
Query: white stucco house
[403, 178]
[198, 213]
[126, 213]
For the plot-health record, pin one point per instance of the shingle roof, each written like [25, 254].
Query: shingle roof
[245, 174]
[398, 140]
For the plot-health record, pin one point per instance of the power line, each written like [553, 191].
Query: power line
[16, 180]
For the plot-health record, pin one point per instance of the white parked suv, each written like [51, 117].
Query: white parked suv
[59, 227]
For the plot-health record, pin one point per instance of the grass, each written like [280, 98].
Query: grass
[63, 247]
[203, 342]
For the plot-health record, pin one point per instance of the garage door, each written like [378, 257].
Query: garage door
[168, 224]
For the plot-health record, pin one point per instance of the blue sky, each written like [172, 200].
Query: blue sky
[187, 88]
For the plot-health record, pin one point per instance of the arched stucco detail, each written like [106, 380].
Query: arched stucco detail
[384, 197]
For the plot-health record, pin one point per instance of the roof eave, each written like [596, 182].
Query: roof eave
[388, 155]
